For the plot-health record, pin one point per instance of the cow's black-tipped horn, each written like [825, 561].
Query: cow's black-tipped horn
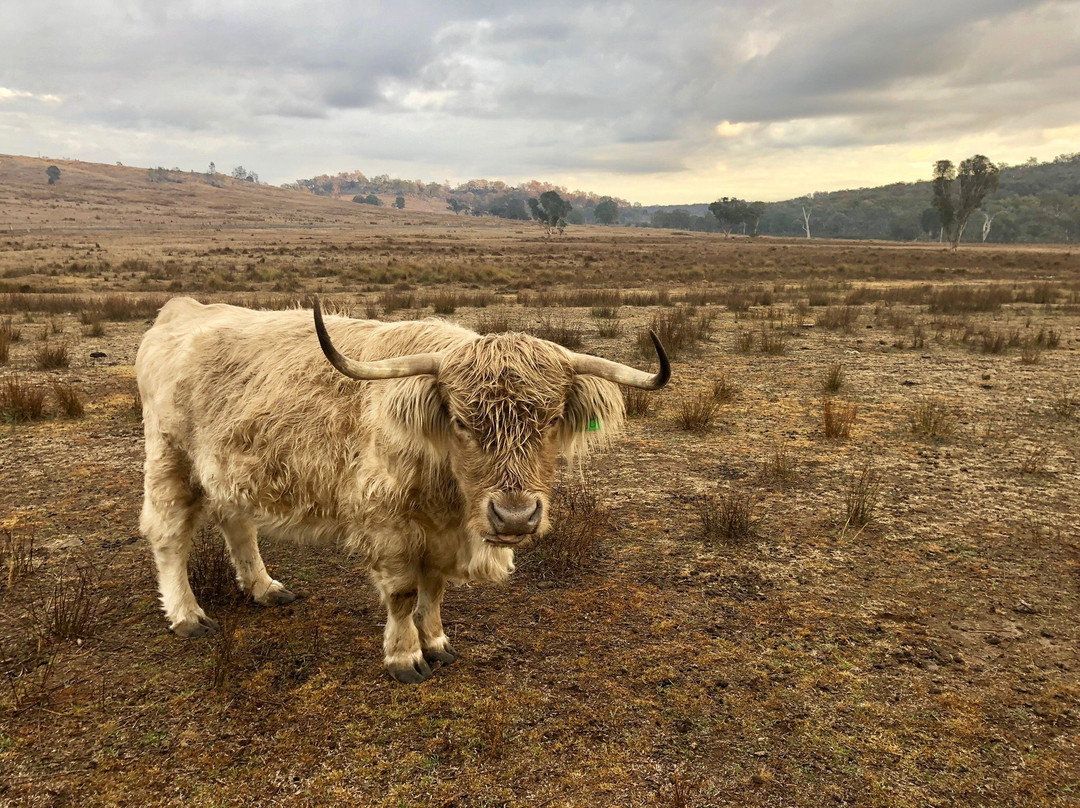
[624, 374]
[395, 368]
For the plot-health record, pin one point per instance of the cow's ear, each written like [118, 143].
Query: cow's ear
[593, 414]
[415, 408]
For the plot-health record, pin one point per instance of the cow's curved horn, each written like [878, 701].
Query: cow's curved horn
[624, 374]
[396, 368]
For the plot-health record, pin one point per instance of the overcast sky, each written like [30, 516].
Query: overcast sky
[656, 102]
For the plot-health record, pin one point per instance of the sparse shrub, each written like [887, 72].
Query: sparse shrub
[932, 418]
[863, 494]
[696, 412]
[837, 418]
[744, 341]
[579, 524]
[726, 517]
[678, 329]
[21, 401]
[96, 329]
[1048, 338]
[994, 342]
[68, 398]
[773, 342]
[52, 355]
[210, 571]
[1029, 353]
[834, 378]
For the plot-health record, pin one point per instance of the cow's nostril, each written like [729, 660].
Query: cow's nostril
[515, 520]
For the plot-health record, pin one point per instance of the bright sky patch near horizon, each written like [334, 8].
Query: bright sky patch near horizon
[659, 103]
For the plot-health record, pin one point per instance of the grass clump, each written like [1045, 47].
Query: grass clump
[773, 342]
[638, 402]
[726, 517]
[560, 331]
[609, 328]
[837, 418]
[932, 418]
[68, 398]
[696, 412]
[779, 464]
[16, 554]
[834, 378]
[21, 401]
[52, 356]
[863, 497]
[211, 571]
[71, 609]
[496, 323]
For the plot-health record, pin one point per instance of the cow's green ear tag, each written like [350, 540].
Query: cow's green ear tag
[594, 425]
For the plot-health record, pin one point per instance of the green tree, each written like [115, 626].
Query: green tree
[976, 178]
[399, 202]
[53, 173]
[606, 211]
[730, 213]
[550, 210]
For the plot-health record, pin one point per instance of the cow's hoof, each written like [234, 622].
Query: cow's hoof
[412, 674]
[196, 626]
[445, 655]
[276, 595]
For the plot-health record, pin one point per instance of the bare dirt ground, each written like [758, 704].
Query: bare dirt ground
[927, 658]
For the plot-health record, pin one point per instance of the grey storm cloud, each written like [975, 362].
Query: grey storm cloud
[509, 87]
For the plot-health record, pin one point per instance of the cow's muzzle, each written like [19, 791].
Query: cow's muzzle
[512, 523]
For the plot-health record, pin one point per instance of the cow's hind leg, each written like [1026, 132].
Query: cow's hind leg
[428, 617]
[169, 517]
[242, 539]
[402, 654]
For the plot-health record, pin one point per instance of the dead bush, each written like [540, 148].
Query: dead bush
[723, 390]
[837, 418]
[726, 517]
[932, 418]
[445, 302]
[211, 571]
[609, 328]
[1064, 404]
[579, 525]
[605, 312]
[773, 342]
[837, 317]
[678, 329]
[21, 401]
[744, 341]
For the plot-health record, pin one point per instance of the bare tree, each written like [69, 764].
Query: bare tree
[807, 209]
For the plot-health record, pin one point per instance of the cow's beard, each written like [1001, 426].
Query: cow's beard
[490, 562]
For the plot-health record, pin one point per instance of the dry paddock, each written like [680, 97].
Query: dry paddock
[761, 606]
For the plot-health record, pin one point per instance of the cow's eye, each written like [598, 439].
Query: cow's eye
[460, 425]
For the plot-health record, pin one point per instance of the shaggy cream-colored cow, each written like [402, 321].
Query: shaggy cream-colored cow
[429, 449]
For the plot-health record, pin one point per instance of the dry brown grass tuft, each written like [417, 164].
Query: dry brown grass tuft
[780, 464]
[932, 417]
[773, 342]
[72, 607]
[726, 517]
[21, 401]
[1064, 404]
[51, 356]
[68, 398]
[561, 331]
[609, 329]
[837, 317]
[834, 378]
[496, 323]
[638, 402]
[837, 418]
[16, 554]
[696, 412]
[863, 496]
[724, 390]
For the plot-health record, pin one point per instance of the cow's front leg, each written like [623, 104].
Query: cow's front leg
[401, 642]
[428, 618]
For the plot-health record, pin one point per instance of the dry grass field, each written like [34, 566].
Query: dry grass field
[835, 562]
